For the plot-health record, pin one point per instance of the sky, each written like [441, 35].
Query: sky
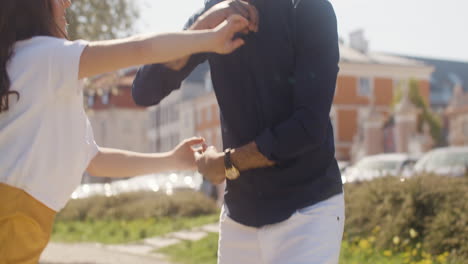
[429, 28]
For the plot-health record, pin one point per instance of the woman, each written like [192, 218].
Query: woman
[46, 140]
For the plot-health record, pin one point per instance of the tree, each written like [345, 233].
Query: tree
[101, 19]
[426, 116]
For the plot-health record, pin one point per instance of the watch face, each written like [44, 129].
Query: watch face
[232, 174]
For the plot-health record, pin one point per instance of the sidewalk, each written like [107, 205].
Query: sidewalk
[141, 252]
[58, 253]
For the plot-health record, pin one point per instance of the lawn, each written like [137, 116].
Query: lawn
[116, 231]
[204, 252]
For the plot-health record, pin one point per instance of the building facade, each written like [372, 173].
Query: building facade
[368, 82]
[457, 117]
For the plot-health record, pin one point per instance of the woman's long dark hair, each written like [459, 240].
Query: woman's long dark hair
[20, 20]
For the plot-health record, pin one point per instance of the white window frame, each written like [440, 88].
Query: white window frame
[371, 86]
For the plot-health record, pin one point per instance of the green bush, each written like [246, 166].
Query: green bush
[430, 212]
[138, 205]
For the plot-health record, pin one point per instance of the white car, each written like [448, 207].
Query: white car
[450, 161]
[380, 165]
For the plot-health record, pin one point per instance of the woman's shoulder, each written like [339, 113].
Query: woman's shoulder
[46, 44]
[39, 41]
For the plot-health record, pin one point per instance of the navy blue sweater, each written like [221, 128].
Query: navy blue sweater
[276, 90]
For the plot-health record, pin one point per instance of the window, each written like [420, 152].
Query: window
[365, 88]
[90, 100]
[105, 98]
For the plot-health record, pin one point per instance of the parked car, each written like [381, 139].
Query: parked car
[380, 165]
[343, 165]
[450, 161]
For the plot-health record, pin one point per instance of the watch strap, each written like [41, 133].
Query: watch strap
[227, 158]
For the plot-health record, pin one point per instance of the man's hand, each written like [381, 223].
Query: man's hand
[220, 12]
[183, 156]
[211, 165]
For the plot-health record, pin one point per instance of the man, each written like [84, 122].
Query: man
[283, 200]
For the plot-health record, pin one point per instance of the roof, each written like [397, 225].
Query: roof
[349, 54]
[446, 76]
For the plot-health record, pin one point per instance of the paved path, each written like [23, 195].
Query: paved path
[141, 252]
[58, 253]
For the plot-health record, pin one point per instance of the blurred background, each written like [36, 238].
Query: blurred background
[400, 119]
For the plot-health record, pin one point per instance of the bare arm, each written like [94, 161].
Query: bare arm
[216, 15]
[105, 56]
[249, 157]
[118, 163]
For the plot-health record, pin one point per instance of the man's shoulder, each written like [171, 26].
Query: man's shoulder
[311, 3]
[308, 8]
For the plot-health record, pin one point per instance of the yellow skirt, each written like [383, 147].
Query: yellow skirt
[25, 226]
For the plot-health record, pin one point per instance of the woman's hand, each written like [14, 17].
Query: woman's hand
[183, 156]
[220, 12]
[223, 40]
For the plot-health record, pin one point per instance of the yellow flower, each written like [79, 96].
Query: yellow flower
[376, 229]
[372, 239]
[413, 233]
[426, 255]
[426, 261]
[387, 253]
[364, 244]
[418, 245]
[442, 258]
[414, 252]
[396, 240]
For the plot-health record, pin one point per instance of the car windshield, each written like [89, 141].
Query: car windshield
[374, 164]
[447, 159]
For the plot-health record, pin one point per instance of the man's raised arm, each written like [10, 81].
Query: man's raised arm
[154, 82]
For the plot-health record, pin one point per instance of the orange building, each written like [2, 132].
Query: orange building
[369, 79]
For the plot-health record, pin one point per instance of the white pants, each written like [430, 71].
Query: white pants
[312, 235]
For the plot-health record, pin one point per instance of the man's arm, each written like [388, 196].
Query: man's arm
[155, 82]
[317, 58]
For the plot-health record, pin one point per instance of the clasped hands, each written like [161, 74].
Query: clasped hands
[210, 164]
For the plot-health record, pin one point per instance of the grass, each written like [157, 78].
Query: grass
[204, 252]
[115, 231]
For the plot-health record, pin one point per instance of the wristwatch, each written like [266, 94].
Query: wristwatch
[231, 171]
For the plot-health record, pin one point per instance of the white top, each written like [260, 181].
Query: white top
[46, 140]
